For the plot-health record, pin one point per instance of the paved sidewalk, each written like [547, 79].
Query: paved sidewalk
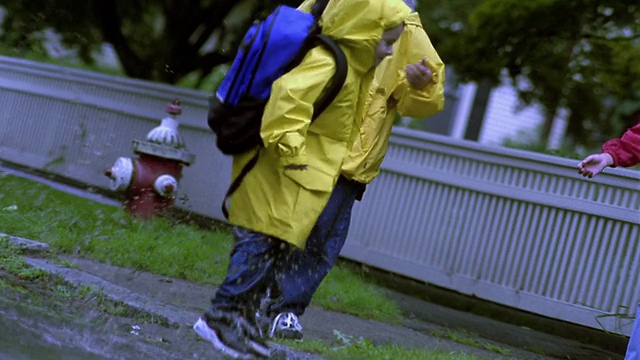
[427, 324]
[182, 302]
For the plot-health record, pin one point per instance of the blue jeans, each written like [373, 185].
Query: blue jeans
[305, 269]
[254, 262]
[633, 349]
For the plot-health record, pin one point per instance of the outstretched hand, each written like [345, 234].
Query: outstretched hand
[592, 165]
[418, 74]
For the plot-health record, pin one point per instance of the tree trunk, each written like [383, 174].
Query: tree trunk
[478, 110]
[550, 114]
[545, 135]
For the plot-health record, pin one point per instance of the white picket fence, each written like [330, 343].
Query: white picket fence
[513, 227]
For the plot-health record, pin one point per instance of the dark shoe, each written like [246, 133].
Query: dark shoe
[232, 335]
[254, 339]
[263, 321]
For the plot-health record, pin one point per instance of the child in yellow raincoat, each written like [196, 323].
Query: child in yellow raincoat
[410, 82]
[280, 199]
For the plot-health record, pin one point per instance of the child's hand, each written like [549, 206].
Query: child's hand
[419, 75]
[592, 165]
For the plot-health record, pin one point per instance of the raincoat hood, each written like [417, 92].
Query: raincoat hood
[357, 26]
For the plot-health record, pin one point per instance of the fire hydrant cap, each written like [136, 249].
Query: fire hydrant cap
[174, 108]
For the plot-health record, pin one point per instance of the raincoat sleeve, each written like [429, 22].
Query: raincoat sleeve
[625, 151]
[420, 103]
[287, 115]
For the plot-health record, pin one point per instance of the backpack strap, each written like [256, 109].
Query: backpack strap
[236, 182]
[318, 8]
[337, 82]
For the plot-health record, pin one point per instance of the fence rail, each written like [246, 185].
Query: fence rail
[514, 227]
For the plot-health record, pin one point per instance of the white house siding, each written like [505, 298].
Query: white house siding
[505, 119]
[466, 93]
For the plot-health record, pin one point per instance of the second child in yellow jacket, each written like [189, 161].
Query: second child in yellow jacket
[391, 93]
[410, 82]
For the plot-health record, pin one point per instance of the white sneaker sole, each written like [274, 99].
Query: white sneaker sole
[208, 334]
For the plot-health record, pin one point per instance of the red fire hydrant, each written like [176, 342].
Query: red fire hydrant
[149, 183]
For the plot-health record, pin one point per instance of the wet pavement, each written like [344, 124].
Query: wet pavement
[181, 302]
[22, 342]
[29, 332]
[25, 334]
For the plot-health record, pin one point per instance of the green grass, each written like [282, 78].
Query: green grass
[78, 226]
[74, 225]
[11, 262]
[347, 347]
[348, 290]
[392, 352]
[462, 336]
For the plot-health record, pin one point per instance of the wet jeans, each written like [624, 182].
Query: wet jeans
[305, 269]
[253, 263]
[633, 349]
[259, 261]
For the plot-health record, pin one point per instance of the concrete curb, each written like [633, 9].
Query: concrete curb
[172, 314]
[25, 244]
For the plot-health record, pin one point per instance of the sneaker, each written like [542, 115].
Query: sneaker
[232, 346]
[286, 326]
[232, 335]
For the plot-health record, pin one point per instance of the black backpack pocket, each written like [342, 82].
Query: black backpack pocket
[237, 128]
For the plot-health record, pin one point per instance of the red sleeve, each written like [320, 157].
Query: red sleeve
[625, 151]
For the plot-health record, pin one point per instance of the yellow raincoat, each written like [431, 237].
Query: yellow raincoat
[286, 203]
[391, 93]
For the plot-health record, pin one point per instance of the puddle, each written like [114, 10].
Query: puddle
[31, 332]
[18, 342]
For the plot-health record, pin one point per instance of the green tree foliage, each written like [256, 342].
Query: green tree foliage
[154, 40]
[581, 55]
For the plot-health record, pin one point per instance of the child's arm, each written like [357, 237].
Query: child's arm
[624, 151]
[417, 99]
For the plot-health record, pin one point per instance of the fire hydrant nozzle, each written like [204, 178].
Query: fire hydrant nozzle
[120, 174]
[165, 185]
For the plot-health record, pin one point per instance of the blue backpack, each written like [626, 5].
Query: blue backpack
[269, 49]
